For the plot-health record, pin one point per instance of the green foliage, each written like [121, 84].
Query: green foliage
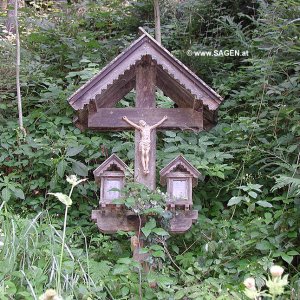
[249, 201]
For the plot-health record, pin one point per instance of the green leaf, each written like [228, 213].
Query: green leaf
[287, 258]
[234, 201]
[170, 133]
[160, 254]
[179, 294]
[79, 168]
[19, 194]
[65, 199]
[171, 149]
[72, 151]
[147, 229]
[156, 248]
[252, 194]
[125, 260]
[61, 168]
[10, 287]
[263, 245]
[160, 231]
[119, 269]
[6, 194]
[264, 203]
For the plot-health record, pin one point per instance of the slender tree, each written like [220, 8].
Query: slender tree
[18, 62]
[157, 21]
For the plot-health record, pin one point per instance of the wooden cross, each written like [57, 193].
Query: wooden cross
[145, 109]
[145, 65]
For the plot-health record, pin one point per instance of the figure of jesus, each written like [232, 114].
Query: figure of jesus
[145, 141]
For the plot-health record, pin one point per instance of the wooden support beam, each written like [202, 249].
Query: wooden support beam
[174, 90]
[114, 93]
[145, 98]
[178, 118]
[182, 221]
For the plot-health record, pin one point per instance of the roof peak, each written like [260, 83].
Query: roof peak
[180, 160]
[113, 159]
[127, 59]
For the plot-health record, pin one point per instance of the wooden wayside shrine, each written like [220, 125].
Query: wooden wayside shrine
[145, 66]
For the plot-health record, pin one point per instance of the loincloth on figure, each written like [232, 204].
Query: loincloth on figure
[144, 145]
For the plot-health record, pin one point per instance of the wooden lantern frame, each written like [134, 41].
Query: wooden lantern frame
[112, 169]
[180, 169]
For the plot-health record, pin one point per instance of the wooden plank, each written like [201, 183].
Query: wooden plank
[145, 45]
[175, 91]
[182, 221]
[145, 99]
[109, 221]
[178, 118]
[115, 92]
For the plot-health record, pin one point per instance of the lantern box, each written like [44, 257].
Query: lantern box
[110, 176]
[180, 177]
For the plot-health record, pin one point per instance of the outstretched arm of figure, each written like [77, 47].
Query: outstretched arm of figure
[131, 123]
[160, 122]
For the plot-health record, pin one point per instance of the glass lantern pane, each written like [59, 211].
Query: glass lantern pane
[112, 184]
[180, 189]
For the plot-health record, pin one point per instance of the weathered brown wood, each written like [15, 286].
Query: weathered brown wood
[116, 91]
[145, 98]
[180, 177]
[178, 118]
[175, 91]
[179, 163]
[182, 221]
[167, 64]
[111, 221]
[144, 66]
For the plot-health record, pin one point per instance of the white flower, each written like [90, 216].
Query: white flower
[50, 295]
[276, 285]
[276, 271]
[250, 283]
[206, 247]
[72, 179]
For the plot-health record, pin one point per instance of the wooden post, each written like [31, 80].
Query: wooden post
[145, 98]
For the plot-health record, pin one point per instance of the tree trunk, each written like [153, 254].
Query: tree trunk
[11, 16]
[18, 63]
[157, 21]
[3, 5]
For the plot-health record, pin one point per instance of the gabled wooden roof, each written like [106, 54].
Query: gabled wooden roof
[181, 162]
[107, 164]
[117, 78]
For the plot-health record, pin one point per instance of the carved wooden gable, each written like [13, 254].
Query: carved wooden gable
[113, 163]
[180, 177]
[110, 176]
[180, 164]
[194, 98]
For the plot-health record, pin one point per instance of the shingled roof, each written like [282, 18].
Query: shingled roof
[117, 79]
[183, 164]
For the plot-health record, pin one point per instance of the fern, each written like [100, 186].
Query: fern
[286, 181]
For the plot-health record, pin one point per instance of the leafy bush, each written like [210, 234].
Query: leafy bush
[249, 202]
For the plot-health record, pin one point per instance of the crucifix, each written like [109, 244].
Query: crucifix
[145, 140]
[145, 66]
[145, 119]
